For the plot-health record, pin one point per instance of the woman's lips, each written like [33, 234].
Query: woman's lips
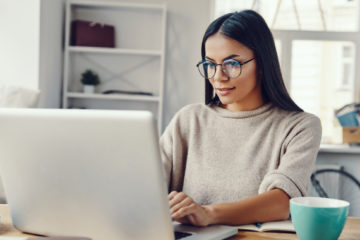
[224, 91]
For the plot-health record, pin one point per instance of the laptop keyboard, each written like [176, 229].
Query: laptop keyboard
[181, 235]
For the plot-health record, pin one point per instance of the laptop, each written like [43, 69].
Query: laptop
[88, 173]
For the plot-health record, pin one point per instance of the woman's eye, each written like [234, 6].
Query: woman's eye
[234, 63]
[209, 64]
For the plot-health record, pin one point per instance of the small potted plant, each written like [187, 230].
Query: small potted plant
[89, 80]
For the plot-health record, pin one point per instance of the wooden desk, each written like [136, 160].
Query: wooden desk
[350, 232]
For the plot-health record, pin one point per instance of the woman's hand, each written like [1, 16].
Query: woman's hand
[185, 210]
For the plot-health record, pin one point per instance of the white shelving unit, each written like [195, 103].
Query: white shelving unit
[135, 64]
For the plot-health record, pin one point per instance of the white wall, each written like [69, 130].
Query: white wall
[187, 22]
[51, 52]
[19, 42]
[31, 47]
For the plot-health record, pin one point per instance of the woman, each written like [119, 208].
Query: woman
[240, 157]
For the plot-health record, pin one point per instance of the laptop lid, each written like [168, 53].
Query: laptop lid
[91, 173]
[88, 173]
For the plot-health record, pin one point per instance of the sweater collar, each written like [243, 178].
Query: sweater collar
[241, 114]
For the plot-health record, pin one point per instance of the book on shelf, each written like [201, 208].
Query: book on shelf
[348, 115]
[275, 226]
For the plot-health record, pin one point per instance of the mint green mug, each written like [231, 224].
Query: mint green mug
[318, 218]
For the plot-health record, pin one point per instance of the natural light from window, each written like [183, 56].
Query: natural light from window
[320, 15]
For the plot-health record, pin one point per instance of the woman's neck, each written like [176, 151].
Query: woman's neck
[250, 104]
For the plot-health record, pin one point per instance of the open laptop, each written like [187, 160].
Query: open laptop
[89, 173]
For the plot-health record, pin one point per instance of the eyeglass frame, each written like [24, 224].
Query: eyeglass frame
[222, 67]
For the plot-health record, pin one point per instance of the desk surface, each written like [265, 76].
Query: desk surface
[350, 232]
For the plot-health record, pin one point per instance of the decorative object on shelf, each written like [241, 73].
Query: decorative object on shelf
[89, 80]
[93, 34]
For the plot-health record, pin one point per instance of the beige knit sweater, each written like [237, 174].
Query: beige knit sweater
[217, 156]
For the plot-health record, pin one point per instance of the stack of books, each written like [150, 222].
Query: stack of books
[348, 115]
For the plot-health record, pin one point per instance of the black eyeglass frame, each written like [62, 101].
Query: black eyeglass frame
[222, 67]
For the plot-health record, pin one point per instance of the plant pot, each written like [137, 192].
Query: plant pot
[88, 88]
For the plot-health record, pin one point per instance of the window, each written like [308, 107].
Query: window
[347, 58]
[317, 44]
[319, 15]
[320, 80]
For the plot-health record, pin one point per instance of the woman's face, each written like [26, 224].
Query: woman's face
[236, 94]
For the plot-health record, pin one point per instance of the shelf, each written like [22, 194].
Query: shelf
[339, 149]
[109, 4]
[114, 51]
[113, 96]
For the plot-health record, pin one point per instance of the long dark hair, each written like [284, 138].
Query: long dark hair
[250, 29]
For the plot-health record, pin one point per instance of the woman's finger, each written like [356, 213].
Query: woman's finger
[185, 202]
[172, 195]
[190, 209]
[177, 198]
[183, 220]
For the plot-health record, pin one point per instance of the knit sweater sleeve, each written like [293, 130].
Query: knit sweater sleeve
[173, 150]
[297, 159]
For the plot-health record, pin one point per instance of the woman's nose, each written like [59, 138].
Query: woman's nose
[219, 74]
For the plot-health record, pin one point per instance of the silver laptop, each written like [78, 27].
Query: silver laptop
[88, 173]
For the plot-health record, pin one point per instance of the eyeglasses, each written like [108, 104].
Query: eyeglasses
[230, 67]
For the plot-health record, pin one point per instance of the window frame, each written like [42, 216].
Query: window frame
[287, 37]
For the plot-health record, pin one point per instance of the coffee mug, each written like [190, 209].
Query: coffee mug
[318, 218]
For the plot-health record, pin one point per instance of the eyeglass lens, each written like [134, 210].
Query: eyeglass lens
[231, 68]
